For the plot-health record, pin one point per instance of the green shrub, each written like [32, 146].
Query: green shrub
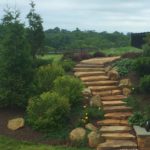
[45, 76]
[145, 84]
[68, 65]
[147, 112]
[70, 87]
[42, 62]
[48, 111]
[146, 50]
[142, 65]
[137, 119]
[132, 102]
[124, 66]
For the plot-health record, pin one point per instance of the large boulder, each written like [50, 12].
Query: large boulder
[90, 127]
[113, 74]
[15, 124]
[77, 134]
[94, 139]
[125, 83]
[96, 101]
[87, 92]
[126, 91]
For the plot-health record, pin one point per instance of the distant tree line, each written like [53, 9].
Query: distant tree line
[63, 40]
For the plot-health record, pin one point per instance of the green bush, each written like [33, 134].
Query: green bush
[124, 66]
[132, 102]
[68, 65]
[137, 119]
[145, 84]
[45, 76]
[142, 65]
[48, 111]
[42, 62]
[70, 87]
[146, 50]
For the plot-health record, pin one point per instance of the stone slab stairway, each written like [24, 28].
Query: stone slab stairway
[114, 128]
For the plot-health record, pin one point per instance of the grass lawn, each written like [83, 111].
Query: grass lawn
[55, 57]
[120, 51]
[10, 144]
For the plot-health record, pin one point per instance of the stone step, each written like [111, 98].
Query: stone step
[83, 65]
[100, 83]
[118, 115]
[86, 74]
[118, 145]
[103, 88]
[113, 97]
[94, 78]
[113, 103]
[106, 93]
[88, 69]
[118, 136]
[113, 122]
[117, 109]
[115, 129]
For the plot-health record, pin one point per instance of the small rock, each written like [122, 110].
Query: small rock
[94, 139]
[87, 92]
[96, 101]
[15, 124]
[91, 127]
[126, 91]
[108, 68]
[113, 74]
[125, 83]
[77, 134]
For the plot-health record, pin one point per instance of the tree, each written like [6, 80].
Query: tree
[35, 31]
[15, 63]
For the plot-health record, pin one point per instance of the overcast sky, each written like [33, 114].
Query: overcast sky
[100, 15]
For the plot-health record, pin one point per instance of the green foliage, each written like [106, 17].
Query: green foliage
[137, 119]
[124, 66]
[147, 112]
[35, 32]
[70, 87]
[133, 103]
[146, 47]
[45, 76]
[42, 62]
[48, 111]
[11, 144]
[142, 65]
[145, 84]
[68, 65]
[16, 72]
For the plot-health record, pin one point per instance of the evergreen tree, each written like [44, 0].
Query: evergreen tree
[15, 62]
[35, 31]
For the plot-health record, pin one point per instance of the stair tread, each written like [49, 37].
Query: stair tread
[112, 103]
[118, 135]
[93, 73]
[100, 88]
[113, 97]
[118, 115]
[94, 78]
[115, 129]
[107, 82]
[88, 69]
[88, 65]
[117, 144]
[107, 92]
[117, 108]
[110, 122]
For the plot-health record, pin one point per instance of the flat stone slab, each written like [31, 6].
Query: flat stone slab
[111, 122]
[117, 108]
[103, 88]
[94, 78]
[88, 69]
[116, 129]
[113, 103]
[83, 65]
[101, 60]
[141, 131]
[101, 83]
[113, 97]
[86, 74]
[118, 136]
[117, 144]
[118, 115]
[106, 93]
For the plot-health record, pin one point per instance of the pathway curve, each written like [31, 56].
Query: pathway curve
[114, 128]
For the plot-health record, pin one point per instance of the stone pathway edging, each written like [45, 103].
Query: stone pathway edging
[114, 128]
